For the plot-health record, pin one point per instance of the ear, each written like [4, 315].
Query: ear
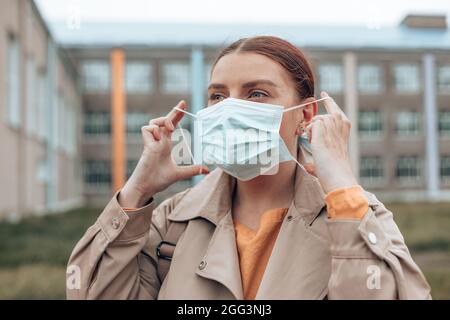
[309, 111]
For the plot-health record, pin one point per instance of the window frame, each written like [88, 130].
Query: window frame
[441, 89]
[380, 87]
[13, 97]
[165, 88]
[409, 179]
[150, 85]
[403, 91]
[368, 135]
[96, 185]
[418, 133]
[100, 135]
[320, 71]
[105, 77]
[370, 180]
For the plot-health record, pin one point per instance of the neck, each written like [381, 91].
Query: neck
[266, 191]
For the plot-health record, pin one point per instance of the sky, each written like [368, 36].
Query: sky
[372, 14]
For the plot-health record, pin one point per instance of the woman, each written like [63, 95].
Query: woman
[302, 232]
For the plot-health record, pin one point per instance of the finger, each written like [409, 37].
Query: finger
[339, 122]
[186, 172]
[331, 129]
[317, 131]
[320, 118]
[175, 115]
[158, 121]
[169, 124]
[154, 130]
[163, 122]
[172, 118]
[309, 127]
[147, 129]
[330, 105]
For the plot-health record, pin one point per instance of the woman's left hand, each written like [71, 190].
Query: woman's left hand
[329, 135]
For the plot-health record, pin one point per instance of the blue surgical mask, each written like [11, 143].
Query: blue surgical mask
[243, 137]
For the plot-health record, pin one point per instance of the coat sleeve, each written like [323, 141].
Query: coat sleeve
[116, 257]
[370, 259]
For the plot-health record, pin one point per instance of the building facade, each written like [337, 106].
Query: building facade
[393, 83]
[40, 116]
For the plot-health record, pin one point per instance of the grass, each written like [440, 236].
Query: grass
[34, 252]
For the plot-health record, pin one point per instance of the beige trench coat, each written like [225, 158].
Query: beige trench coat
[314, 257]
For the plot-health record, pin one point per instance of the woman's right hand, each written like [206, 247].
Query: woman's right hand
[156, 170]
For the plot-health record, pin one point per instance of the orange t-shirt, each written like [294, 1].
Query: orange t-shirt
[255, 246]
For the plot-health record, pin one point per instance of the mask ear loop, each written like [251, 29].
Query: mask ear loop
[182, 134]
[302, 106]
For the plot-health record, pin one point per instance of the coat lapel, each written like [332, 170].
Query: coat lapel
[221, 258]
[211, 200]
[300, 263]
[299, 266]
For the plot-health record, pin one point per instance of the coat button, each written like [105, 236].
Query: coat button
[372, 238]
[115, 223]
[202, 265]
[289, 218]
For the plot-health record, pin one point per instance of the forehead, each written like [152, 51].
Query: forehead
[241, 67]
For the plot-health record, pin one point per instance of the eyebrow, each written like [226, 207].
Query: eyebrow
[245, 85]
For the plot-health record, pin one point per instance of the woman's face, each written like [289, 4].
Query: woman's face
[254, 77]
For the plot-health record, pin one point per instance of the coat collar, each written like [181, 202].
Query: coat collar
[211, 198]
[309, 269]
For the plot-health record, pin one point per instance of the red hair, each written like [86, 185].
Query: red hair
[285, 53]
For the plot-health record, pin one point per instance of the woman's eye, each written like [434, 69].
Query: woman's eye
[257, 94]
[216, 97]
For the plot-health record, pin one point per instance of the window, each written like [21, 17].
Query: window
[60, 125]
[369, 78]
[42, 172]
[41, 107]
[71, 125]
[444, 123]
[445, 167]
[371, 168]
[97, 173]
[370, 123]
[139, 77]
[96, 76]
[31, 112]
[444, 78]
[13, 82]
[131, 164]
[97, 123]
[408, 123]
[71, 130]
[176, 77]
[406, 77]
[135, 121]
[331, 78]
[408, 168]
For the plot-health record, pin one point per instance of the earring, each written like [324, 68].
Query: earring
[301, 128]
